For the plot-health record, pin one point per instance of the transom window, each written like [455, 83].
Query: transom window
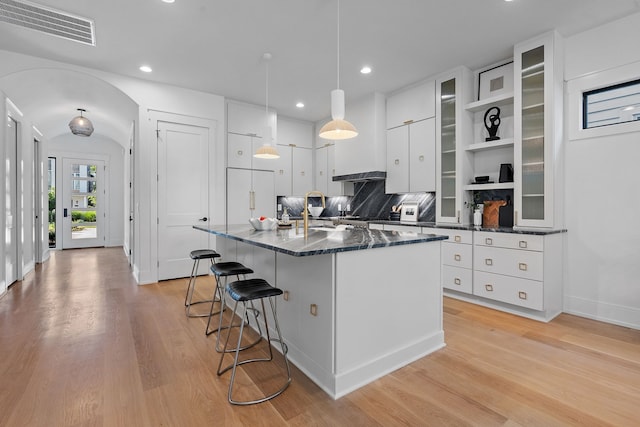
[611, 105]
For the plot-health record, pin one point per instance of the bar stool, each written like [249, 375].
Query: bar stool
[220, 270]
[196, 256]
[247, 291]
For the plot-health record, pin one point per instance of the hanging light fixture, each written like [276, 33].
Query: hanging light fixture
[268, 149]
[80, 125]
[338, 127]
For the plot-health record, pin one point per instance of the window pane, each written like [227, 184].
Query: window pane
[611, 105]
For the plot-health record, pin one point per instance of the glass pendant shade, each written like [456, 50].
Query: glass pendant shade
[80, 125]
[338, 128]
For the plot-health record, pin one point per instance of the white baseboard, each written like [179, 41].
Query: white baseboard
[602, 311]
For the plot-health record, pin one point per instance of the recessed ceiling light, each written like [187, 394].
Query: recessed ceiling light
[365, 70]
[168, 1]
[145, 69]
[300, 105]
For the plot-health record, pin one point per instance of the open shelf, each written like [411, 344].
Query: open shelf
[494, 101]
[481, 146]
[494, 186]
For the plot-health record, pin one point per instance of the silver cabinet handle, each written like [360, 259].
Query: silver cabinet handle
[522, 266]
[488, 261]
[488, 241]
[522, 295]
[523, 244]
[489, 288]
[457, 281]
[252, 200]
[457, 257]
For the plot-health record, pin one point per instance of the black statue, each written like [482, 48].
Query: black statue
[494, 120]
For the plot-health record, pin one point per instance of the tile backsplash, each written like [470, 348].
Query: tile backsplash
[369, 201]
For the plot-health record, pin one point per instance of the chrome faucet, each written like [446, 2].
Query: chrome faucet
[305, 211]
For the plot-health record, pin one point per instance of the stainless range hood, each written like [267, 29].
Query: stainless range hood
[362, 176]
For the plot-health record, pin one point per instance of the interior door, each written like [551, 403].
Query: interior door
[83, 200]
[183, 196]
[11, 204]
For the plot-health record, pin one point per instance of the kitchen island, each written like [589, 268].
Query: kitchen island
[357, 303]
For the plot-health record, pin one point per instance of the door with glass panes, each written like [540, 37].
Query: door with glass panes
[83, 203]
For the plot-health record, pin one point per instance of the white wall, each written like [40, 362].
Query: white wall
[602, 180]
[97, 148]
[149, 97]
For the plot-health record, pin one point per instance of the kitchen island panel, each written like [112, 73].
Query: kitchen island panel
[389, 308]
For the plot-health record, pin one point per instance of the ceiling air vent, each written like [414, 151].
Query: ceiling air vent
[47, 20]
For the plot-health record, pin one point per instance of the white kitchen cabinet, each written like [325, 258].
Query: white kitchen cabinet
[250, 193]
[519, 273]
[457, 259]
[411, 105]
[294, 170]
[366, 152]
[411, 160]
[240, 150]
[538, 132]
[248, 119]
[453, 133]
[325, 170]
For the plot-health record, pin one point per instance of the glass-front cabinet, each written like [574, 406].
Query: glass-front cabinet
[452, 135]
[537, 130]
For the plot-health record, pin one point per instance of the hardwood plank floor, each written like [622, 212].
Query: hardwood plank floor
[82, 345]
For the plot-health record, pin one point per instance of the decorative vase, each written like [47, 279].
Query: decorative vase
[477, 217]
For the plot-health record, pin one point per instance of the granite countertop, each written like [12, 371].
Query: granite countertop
[535, 231]
[319, 241]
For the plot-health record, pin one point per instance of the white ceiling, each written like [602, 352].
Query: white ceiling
[217, 46]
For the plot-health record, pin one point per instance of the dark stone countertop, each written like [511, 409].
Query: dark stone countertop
[534, 231]
[319, 241]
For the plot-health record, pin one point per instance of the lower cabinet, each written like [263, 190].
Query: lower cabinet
[521, 270]
[457, 259]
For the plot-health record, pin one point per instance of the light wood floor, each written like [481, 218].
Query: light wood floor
[82, 345]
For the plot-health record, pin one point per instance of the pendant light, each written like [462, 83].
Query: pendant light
[80, 125]
[338, 127]
[268, 149]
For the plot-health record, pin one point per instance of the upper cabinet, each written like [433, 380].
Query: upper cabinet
[411, 142]
[294, 168]
[411, 164]
[248, 119]
[411, 105]
[538, 131]
[325, 170]
[367, 151]
[453, 134]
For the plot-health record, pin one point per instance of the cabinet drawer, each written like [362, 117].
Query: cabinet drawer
[512, 262]
[457, 279]
[455, 236]
[510, 241]
[512, 290]
[457, 255]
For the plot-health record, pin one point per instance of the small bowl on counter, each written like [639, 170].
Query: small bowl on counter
[316, 211]
[264, 224]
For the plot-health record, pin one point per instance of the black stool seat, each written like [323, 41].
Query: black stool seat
[251, 289]
[204, 254]
[230, 268]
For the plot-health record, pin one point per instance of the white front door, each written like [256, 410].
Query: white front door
[11, 204]
[183, 196]
[83, 203]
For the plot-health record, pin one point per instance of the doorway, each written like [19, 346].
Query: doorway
[11, 205]
[83, 203]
